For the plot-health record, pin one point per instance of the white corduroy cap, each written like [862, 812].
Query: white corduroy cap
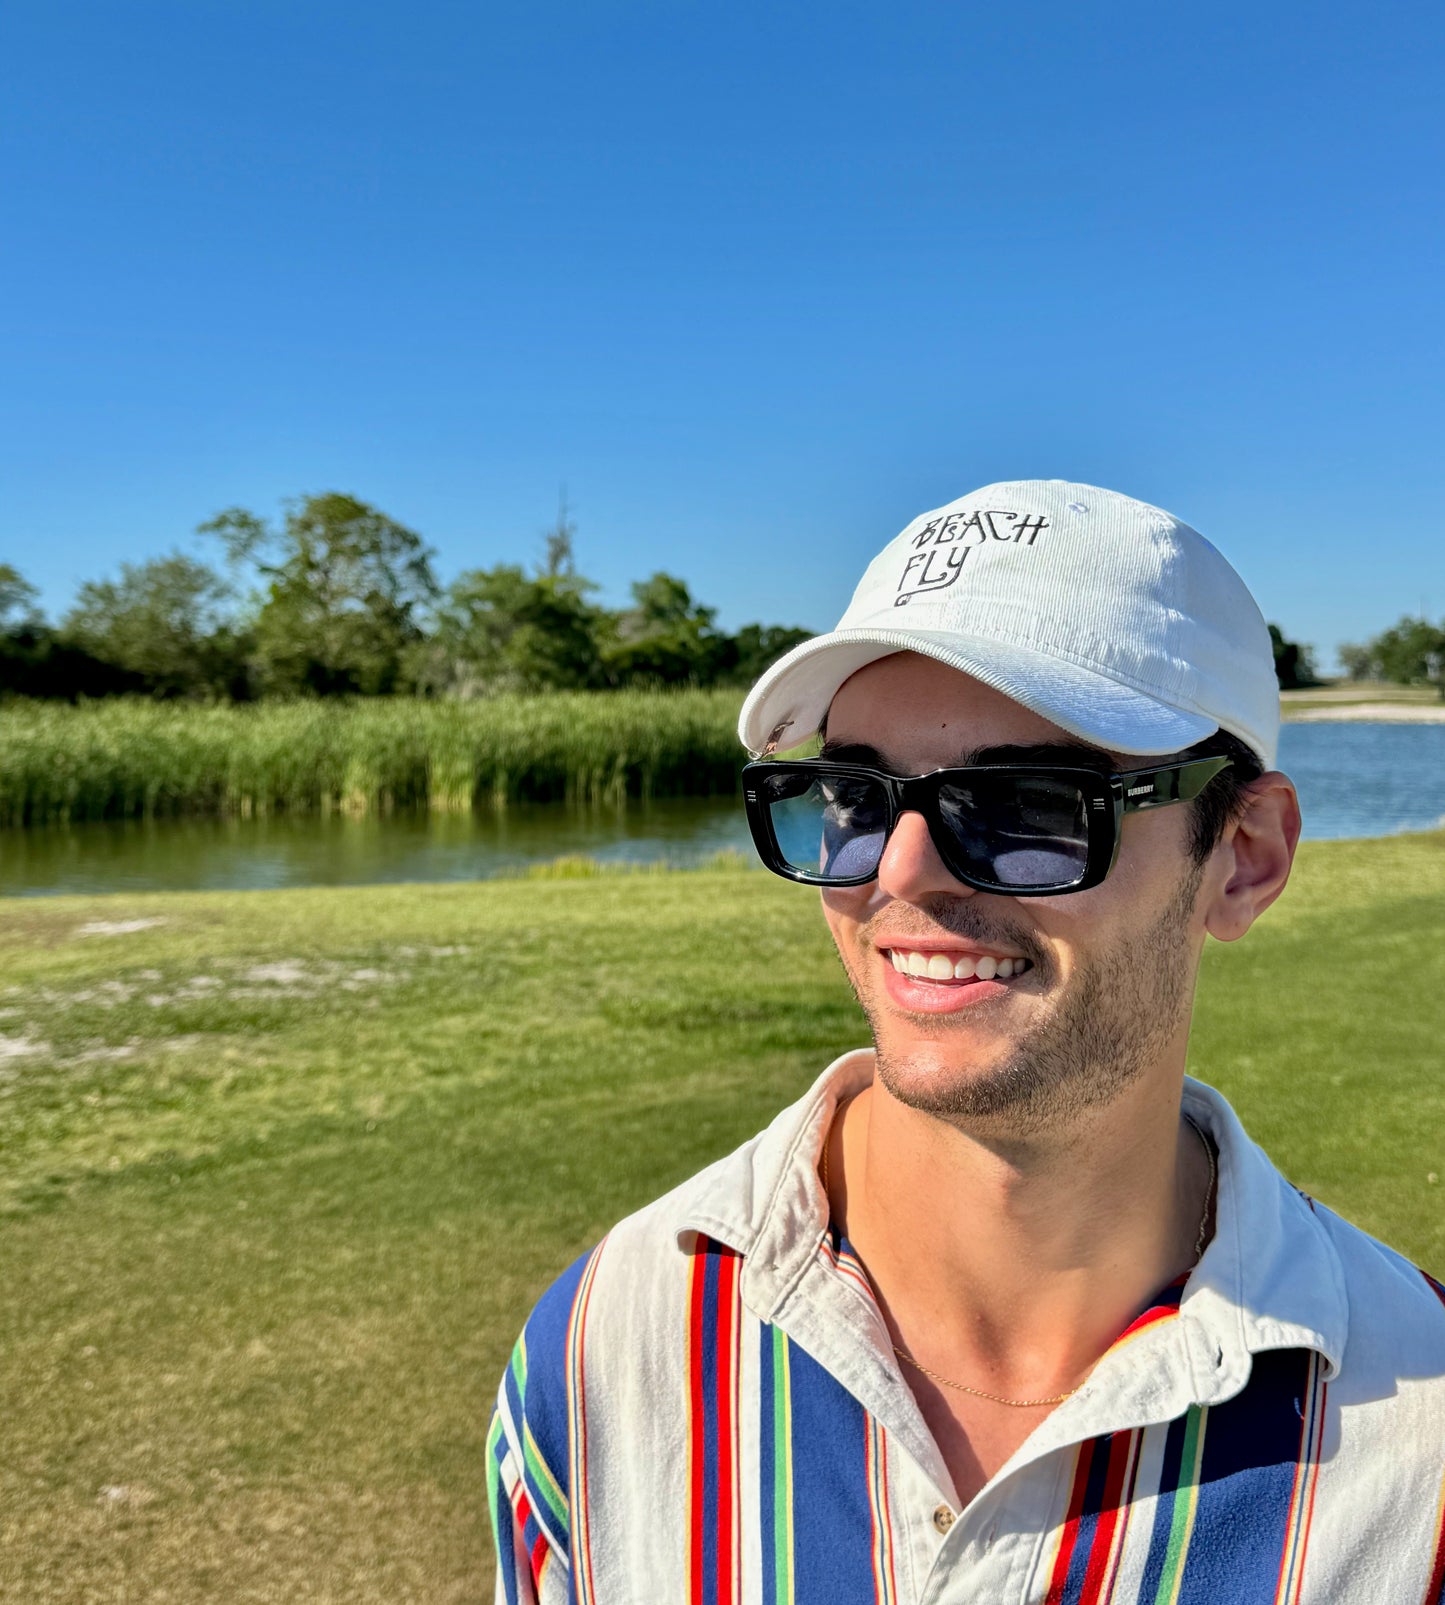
[1107, 616]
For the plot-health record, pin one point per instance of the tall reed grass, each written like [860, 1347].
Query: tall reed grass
[131, 759]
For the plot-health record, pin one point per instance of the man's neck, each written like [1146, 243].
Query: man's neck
[1012, 1266]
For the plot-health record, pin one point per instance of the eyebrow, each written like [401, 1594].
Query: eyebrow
[1066, 754]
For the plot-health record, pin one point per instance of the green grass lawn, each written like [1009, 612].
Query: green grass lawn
[282, 1172]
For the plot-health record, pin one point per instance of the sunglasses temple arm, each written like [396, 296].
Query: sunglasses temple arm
[1180, 782]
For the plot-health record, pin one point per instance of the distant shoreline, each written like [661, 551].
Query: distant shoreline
[1367, 713]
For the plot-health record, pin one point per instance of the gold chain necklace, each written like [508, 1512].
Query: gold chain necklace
[1033, 1404]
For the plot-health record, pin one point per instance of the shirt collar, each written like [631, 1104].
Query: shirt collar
[1270, 1277]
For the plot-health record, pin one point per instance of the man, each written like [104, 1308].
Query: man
[1006, 1309]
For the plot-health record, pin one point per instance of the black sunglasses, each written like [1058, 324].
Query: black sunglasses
[1028, 830]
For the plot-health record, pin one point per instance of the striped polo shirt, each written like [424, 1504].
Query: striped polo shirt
[706, 1410]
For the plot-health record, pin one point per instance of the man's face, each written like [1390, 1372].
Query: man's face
[1102, 980]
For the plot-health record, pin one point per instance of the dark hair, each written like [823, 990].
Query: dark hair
[1222, 800]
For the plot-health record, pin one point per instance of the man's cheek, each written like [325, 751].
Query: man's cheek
[846, 912]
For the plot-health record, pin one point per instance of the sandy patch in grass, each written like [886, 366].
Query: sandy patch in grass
[283, 972]
[125, 1494]
[116, 927]
[291, 978]
[26, 1047]
[1373, 713]
[107, 1055]
[33, 1017]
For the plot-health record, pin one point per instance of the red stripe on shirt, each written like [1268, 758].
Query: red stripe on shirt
[1070, 1536]
[1096, 1574]
[696, 1448]
[726, 1364]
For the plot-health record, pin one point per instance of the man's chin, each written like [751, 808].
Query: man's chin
[938, 1085]
[922, 1073]
[968, 1071]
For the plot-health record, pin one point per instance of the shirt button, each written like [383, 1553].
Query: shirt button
[943, 1518]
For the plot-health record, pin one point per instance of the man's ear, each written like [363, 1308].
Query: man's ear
[1254, 857]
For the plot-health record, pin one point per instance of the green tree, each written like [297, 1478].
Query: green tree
[557, 560]
[166, 623]
[17, 599]
[1359, 661]
[1294, 665]
[343, 588]
[757, 647]
[665, 638]
[1410, 652]
[501, 629]
[35, 662]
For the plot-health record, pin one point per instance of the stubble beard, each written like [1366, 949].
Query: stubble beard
[1116, 1019]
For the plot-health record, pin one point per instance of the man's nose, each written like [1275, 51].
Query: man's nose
[910, 868]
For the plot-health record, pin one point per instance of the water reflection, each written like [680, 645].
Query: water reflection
[254, 854]
[1354, 780]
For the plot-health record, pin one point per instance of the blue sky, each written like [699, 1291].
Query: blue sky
[759, 283]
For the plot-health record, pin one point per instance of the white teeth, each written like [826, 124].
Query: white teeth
[939, 967]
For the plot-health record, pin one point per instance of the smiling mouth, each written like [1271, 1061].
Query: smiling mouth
[954, 968]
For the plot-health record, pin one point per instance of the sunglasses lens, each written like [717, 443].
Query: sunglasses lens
[1010, 832]
[830, 827]
[1018, 831]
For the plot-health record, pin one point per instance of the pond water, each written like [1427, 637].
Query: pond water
[1354, 780]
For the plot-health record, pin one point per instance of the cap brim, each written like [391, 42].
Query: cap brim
[799, 688]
